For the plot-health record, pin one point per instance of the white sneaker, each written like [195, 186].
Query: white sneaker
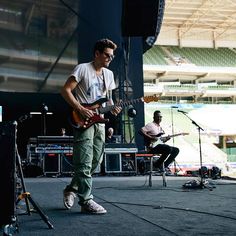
[93, 208]
[68, 199]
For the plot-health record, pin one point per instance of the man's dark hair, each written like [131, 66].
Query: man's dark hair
[156, 112]
[101, 44]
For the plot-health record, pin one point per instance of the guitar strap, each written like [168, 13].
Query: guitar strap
[108, 95]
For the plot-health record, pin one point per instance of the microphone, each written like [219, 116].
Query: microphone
[184, 112]
[174, 107]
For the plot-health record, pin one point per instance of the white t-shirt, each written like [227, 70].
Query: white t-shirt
[90, 86]
[153, 129]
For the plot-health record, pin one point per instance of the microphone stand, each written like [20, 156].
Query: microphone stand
[173, 139]
[202, 183]
[44, 110]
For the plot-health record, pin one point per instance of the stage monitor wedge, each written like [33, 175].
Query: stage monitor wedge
[139, 18]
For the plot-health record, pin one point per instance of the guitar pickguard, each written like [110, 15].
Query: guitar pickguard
[78, 122]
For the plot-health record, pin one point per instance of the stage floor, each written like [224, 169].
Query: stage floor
[134, 208]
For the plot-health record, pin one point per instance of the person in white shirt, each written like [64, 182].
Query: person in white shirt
[87, 88]
[155, 142]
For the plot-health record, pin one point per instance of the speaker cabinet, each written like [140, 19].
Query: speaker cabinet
[51, 163]
[7, 172]
[139, 17]
[67, 163]
[128, 162]
[112, 162]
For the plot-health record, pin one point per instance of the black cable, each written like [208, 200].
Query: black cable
[160, 207]
[154, 189]
[66, 160]
[136, 215]
[171, 208]
[201, 212]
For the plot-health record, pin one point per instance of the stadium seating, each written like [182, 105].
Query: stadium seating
[211, 57]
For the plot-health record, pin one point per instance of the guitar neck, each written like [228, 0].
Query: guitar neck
[122, 104]
[161, 139]
[174, 135]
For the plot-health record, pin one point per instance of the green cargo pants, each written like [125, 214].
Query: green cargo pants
[88, 152]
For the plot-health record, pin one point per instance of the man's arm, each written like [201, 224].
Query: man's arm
[146, 134]
[148, 139]
[67, 94]
[117, 109]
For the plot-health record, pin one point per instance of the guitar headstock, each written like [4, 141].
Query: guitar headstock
[153, 98]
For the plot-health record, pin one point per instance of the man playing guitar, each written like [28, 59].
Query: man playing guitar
[88, 83]
[152, 133]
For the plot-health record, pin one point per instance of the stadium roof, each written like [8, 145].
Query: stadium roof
[186, 23]
[190, 16]
[199, 24]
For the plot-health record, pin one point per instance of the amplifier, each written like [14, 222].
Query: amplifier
[121, 148]
[51, 163]
[54, 139]
[112, 162]
[120, 157]
[128, 162]
[54, 149]
[66, 163]
[58, 158]
[120, 162]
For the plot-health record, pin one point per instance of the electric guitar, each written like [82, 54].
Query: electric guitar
[78, 121]
[161, 139]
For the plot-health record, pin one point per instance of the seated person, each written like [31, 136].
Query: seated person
[155, 144]
[110, 138]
